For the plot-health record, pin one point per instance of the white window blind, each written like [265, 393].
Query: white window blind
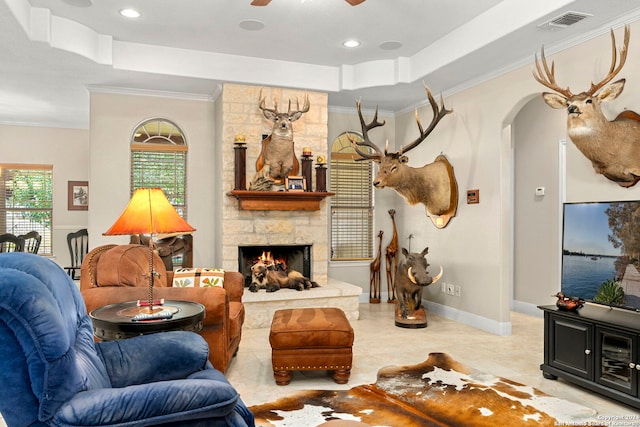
[159, 160]
[352, 205]
[27, 204]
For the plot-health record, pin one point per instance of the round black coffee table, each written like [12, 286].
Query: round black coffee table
[114, 322]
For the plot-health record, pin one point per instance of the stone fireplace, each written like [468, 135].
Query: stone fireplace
[240, 115]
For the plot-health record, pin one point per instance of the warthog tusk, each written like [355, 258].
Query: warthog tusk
[411, 277]
[435, 279]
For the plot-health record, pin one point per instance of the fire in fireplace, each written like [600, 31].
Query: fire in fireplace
[290, 257]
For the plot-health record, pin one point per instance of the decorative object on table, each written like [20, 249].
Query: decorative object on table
[277, 160]
[295, 183]
[391, 258]
[240, 158]
[437, 392]
[434, 185]
[78, 195]
[612, 146]
[149, 212]
[568, 303]
[53, 372]
[321, 174]
[411, 278]
[307, 167]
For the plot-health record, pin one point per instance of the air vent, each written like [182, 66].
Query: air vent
[566, 19]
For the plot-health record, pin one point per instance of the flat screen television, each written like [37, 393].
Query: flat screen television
[600, 248]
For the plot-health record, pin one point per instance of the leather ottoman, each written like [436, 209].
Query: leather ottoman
[307, 339]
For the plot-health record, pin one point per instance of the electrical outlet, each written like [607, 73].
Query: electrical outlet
[458, 290]
[450, 289]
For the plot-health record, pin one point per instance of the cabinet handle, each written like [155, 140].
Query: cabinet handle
[587, 351]
[638, 367]
[633, 365]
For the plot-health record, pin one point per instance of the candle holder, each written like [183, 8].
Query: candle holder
[321, 175]
[240, 159]
[306, 168]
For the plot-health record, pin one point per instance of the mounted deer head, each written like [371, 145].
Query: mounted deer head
[277, 159]
[433, 185]
[612, 146]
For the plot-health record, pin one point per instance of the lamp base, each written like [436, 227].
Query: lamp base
[134, 311]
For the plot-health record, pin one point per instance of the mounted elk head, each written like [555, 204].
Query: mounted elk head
[433, 185]
[612, 146]
[277, 159]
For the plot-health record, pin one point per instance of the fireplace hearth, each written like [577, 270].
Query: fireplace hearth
[294, 257]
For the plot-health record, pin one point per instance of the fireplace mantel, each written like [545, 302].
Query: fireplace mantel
[279, 200]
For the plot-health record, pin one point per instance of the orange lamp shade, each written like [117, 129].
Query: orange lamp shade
[149, 212]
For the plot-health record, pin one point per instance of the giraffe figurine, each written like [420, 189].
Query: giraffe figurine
[391, 257]
[374, 278]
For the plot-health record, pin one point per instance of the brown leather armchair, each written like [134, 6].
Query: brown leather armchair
[117, 273]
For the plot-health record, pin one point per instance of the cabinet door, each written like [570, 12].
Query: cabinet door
[616, 357]
[571, 346]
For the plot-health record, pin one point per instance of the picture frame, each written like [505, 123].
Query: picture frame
[78, 195]
[295, 183]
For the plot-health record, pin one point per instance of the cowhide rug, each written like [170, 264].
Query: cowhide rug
[438, 392]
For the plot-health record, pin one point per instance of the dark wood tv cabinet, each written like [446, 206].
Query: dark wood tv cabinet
[595, 347]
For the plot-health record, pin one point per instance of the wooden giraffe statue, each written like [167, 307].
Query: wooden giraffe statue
[391, 256]
[374, 278]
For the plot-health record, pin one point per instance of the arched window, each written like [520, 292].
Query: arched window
[352, 205]
[159, 160]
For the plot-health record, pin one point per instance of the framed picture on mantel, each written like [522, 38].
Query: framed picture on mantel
[78, 196]
[295, 183]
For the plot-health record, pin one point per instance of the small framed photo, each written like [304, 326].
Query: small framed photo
[295, 183]
[78, 196]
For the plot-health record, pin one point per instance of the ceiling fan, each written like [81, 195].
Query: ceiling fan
[266, 2]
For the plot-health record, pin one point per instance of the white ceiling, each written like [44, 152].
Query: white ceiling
[53, 52]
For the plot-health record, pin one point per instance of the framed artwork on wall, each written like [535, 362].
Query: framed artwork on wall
[78, 196]
[295, 183]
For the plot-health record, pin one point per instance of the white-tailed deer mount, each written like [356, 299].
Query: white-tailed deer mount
[434, 184]
[277, 159]
[612, 146]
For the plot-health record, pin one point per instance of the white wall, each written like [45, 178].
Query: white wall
[68, 151]
[475, 249]
[113, 119]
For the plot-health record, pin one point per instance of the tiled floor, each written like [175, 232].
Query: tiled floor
[379, 343]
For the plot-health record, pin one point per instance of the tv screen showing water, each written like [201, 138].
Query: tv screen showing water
[600, 247]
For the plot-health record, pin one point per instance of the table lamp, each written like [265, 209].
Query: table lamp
[149, 212]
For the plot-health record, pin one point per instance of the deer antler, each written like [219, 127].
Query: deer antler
[305, 106]
[365, 135]
[548, 78]
[613, 70]
[262, 105]
[438, 114]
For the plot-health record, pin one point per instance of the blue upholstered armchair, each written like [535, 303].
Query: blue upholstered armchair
[52, 373]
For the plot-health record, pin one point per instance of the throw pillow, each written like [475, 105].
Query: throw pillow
[198, 277]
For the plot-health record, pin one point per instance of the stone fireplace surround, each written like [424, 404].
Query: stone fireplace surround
[240, 115]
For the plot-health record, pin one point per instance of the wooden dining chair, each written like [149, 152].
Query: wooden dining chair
[11, 243]
[78, 242]
[32, 241]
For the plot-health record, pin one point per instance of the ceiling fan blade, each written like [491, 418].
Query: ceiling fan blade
[260, 2]
[354, 2]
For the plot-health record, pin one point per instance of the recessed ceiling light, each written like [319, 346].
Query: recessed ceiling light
[390, 45]
[251, 25]
[130, 13]
[351, 43]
